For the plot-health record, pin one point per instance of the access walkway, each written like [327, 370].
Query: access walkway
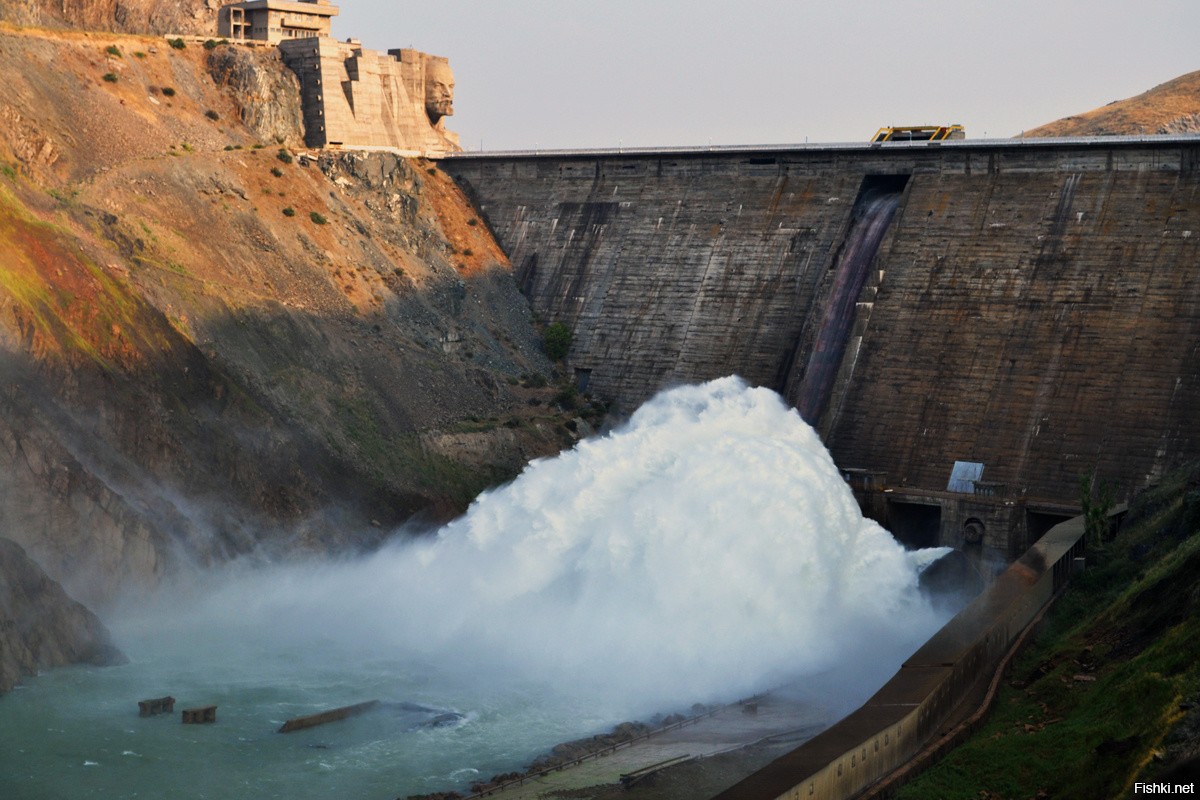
[730, 728]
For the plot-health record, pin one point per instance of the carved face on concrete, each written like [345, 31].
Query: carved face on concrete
[439, 90]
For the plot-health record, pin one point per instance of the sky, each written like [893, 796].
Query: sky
[643, 73]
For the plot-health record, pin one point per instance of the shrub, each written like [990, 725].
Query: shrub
[113, 50]
[168, 91]
[228, 147]
[277, 172]
[214, 116]
[1096, 499]
[557, 341]
[284, 156]
[317, 218]
[567, 397]
[139, 54]
[178, 44]
[111, 77]
[472, 222]
[289, 212]
[468, 252]
[210, 44]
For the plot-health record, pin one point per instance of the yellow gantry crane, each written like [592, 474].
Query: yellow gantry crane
[919, 133]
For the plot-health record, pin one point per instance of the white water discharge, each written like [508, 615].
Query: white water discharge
[706, 550]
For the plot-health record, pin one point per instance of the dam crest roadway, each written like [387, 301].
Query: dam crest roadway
[740, 149]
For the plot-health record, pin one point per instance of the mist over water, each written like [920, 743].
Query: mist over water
[705, 550]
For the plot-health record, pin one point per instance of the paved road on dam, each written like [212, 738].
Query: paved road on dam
[1040, 142]
[728, 729]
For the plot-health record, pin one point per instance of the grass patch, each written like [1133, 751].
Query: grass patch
[1131, 625]
[392, 455]
[111, 77]
[317, 219]
[113, 50]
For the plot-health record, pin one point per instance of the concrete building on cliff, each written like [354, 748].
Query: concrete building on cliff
[352, 97]
[275, 21]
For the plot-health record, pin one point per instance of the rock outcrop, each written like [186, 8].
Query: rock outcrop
[40, 626]
[264, 91]
[1185, 124]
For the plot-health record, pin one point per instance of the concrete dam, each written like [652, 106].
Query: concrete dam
[1029, 313]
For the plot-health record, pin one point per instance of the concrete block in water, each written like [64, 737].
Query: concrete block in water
[312, 721]
[200, 716]
[156, 706]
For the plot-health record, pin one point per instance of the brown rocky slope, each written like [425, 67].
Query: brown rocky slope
[129, 16]
[214, 345]
[1170, 108]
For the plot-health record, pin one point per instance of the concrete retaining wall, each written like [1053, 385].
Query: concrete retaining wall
[910, 709]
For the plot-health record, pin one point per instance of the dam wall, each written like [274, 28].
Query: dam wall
[1033, 310]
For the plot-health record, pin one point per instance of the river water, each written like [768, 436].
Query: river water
[707, 550]
[76, 732]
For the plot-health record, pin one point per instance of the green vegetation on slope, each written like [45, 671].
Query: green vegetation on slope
[1087, 707]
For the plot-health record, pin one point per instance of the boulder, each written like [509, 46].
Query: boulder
[40, 626]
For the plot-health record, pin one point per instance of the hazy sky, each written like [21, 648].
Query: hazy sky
[563, 73]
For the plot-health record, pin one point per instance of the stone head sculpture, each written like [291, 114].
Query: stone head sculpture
[439, 89]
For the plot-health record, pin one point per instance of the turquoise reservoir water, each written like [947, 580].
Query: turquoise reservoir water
[76, 732]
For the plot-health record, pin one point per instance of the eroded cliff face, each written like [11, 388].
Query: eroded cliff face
[213, 346]
[40, 626]
[197, 17]
[266, 96]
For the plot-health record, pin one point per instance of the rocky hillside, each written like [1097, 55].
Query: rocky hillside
[40, 626]
[1172, 107]
[128, 16]
[215, 345]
